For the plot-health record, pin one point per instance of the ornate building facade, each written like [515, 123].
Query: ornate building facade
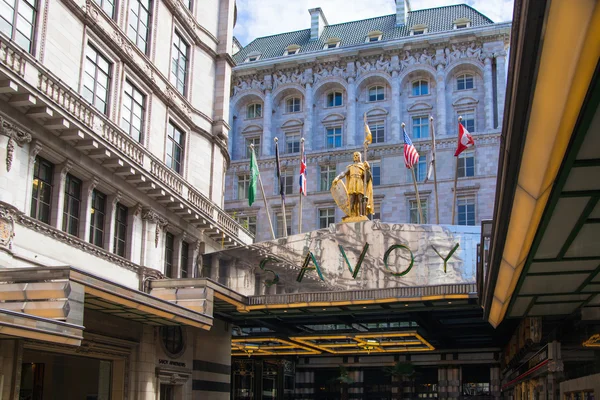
[113, 140]
[320, 84]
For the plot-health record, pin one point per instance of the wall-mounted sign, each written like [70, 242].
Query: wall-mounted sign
[353, 256]
[171, 362]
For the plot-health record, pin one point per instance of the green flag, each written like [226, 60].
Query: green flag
[253, 179]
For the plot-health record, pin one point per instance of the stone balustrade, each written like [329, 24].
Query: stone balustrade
[123, 142]
[11, 58]
[166, 176]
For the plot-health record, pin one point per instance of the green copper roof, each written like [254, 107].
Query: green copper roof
[353, 33]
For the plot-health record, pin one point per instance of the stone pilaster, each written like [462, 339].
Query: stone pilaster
[501, 82]
[395, 113]
[308, 117]
[109, 223]
[58, 193]
[267, 143]
[212, 363]
[489, 95]
[85, 216]
[351, 118]
[441, 101]
[34, 148]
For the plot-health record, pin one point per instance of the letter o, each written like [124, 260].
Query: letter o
[387, 254]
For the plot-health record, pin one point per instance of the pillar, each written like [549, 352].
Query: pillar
[58, 193]
[355, 390]
[308, 117]
[351, 118]
[211, 376]
[267, 143]
[489, 94]
[85, 216]
[441, 101]
[555, 369]
[395, 113]
[501, 82]
[109, 222]
[495, 388]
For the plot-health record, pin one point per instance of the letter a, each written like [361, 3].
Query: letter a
[305, 267]
[358, 263]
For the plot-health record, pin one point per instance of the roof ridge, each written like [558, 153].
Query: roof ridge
[279, 34]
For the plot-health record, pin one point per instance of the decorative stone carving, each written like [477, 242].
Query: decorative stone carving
[138, 209]
[7, 226]
[14, 134]
[90, 10]
[92, 185]
[66, 167]
[34, 150]
[161, 223]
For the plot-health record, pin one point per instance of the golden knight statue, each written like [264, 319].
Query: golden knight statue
[355, 198]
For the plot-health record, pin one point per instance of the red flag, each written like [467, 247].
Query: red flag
[465, 140]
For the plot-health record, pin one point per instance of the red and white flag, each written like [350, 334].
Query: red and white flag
[303, 172]
[411, 155]
[465, 140]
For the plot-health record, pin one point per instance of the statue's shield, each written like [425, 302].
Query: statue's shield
[340, 196]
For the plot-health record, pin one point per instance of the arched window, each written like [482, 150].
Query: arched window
[254, 111]
[420, 88]
[334, 99]
[464, 82]
[293, 104]
[376, 93]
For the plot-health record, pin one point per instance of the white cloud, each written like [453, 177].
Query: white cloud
[257, 18]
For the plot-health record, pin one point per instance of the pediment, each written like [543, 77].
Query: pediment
[252, 129]
[333, 117]
[465, 101]
[290, 123]
[377, 112]
[420, 106]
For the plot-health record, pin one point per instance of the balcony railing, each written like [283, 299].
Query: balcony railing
[166, 176]
[124, 143]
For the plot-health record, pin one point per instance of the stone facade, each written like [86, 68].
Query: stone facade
[394, 67]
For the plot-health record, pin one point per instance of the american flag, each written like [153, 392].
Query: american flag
[411, 155]
[303, 174]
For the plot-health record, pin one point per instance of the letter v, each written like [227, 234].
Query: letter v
[358, 263]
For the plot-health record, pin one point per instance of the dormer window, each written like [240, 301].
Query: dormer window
[291, 50]
[254, 111]
[418, 30]
[254, 56]
[374, 36]
[332, 43]
[462, 23]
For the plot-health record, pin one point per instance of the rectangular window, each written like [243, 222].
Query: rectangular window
[334, 99]
[466, 210]
[254, 111]
[108, 6]
[41, 195]
[376, 172]
[72, 205]
[420, 88]
[175, 145]
[256, 142]
[420, 127]
[120, 238]
[132, 111]
[17, 21]
[179, 63]
[415, 218]
[248, 222]
[334, 137]
[184, 259]
[420, 168]
[378, 131]
[292, 143]
[167, 392]
[466, 164]
[242, 186]
[288, 182]
[169, 252]
[469, 120]
[377, 211]
[376, 93]
[279, 223]
[98, 212]
[96, 79]
[464, 82]
[293, 105]
[326, 217]
[328, 173]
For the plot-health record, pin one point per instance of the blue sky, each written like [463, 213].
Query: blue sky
[258, 18]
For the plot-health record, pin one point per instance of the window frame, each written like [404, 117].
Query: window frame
[244, 180]
[420, 82]
[169, 262]
[420, 126]
[470, 111]
[330, 215]
[99, 55]
[113, 14]
[118, 241]
[465, 76]
[170, 142]
[173, 75]
[377, 37]
[96, 235]
[289, 182]
[292, 109]
[334, 94]
[257, 146]
[375, 165]
[247, 222]
[255, 106]
[334, 136]
[327, 174]
[184, 259]
[414, 210]
[279, 223]
[463, 169]
[132, 101]
[149, 22]
[14, 22]
[333, 44]
[35, 193]
[376, 93]
[69, 200]
[290, 139]
[376, 127]
[466, 198]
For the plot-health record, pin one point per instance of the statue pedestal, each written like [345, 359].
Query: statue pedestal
[355, 219]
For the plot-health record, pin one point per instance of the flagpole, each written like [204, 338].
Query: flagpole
[435, 191]
[455, 180]
[282, 198]
[412, 170]
[262, 189]
[301, 192]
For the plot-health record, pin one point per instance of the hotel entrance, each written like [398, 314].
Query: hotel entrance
[54, 376]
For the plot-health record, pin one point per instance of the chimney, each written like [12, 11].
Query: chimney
[402, 9]
[317, 23]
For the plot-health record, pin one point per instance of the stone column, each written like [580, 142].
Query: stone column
[441, 101]
[85, 215]
[395, 114]
[267, 143]
[109, 222]
[495, 382]
[555, 368]
[135, 234]
[442, 383]
[351, 133]
[355, 391]
[489, 94]
[308, 117]
[501, 83]
[58, 193]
